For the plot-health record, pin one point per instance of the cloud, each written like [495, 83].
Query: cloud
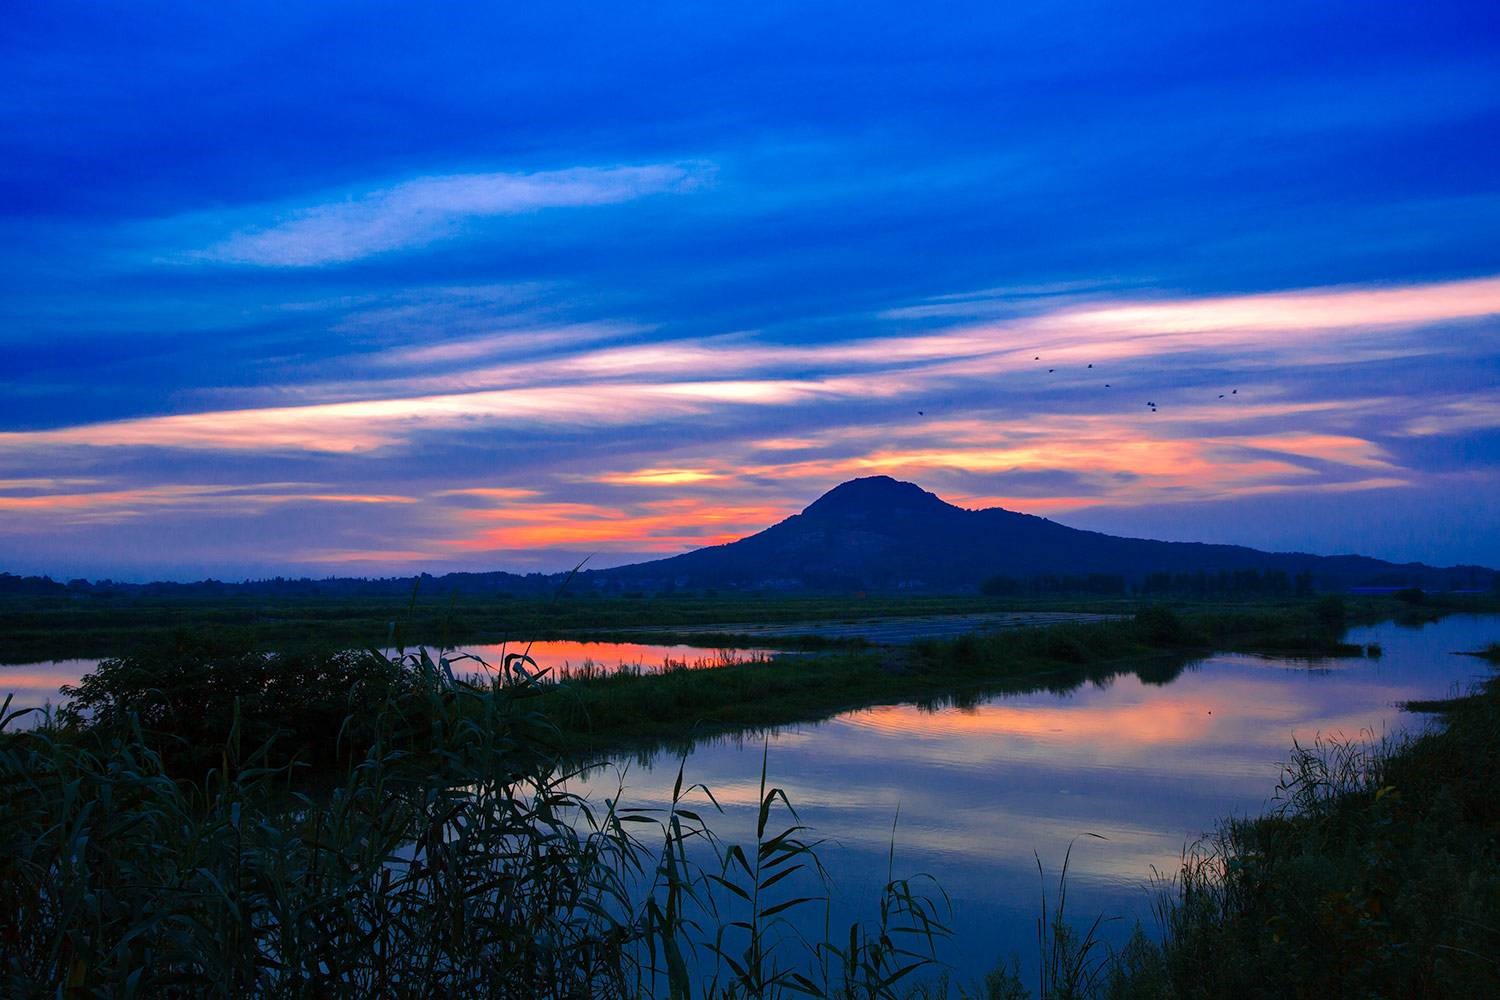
[656, 527]
[505, 342]
[660, 446]
[425, 210]
[659, 477]
[366, 425]
[1294, 312]
[109, 505]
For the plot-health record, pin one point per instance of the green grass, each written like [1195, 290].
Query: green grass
[186, 694]
[63, 628]
[43, 628]
[632, 708]
[1379, 876]
[450, 860]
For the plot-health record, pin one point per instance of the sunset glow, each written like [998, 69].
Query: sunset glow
[624, 338]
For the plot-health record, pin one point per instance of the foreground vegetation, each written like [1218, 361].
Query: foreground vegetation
[448, 859]
[1379, 875]
[210, 821]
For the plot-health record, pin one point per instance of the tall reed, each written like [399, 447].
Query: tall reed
[450, 857]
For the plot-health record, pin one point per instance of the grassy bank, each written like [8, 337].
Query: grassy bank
[40, 628]
[631, 708]
[312, 707]
[1379, 876]
[45, 628]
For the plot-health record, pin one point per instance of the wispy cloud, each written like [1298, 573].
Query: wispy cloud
[106, 505]
[370, 424]
[521, 342]
[692, 460]
[646, 384]
[334, 229]
[649, 526]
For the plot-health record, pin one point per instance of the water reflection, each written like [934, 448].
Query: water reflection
[1147, 764]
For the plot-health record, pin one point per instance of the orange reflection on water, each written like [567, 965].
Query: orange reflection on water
[1133, 724]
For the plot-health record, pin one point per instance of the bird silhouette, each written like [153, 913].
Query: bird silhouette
[1234, 392]
[921, 413]
[1221, 395]
[1106, 385]
[1051, 370]
[1091, 366]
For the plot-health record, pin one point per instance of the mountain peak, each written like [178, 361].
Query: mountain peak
[875, 495]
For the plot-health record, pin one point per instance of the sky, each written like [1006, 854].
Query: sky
[339, 289]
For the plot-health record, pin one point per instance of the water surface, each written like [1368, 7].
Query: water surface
[984, 791]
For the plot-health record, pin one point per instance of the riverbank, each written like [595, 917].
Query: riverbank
[66, 628]
[1379, 875]
[628, 710]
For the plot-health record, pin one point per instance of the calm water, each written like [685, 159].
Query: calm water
[1148, 767]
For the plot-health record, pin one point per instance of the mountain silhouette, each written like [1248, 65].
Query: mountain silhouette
[873, 534]
[882, 534]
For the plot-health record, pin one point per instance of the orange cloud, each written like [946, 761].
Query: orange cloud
[668, 526]
[568, 391]
[658, 477]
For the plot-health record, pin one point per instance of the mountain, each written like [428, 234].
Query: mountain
[874, 534]
[881, 534]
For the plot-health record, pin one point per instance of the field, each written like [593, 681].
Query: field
[45, 628]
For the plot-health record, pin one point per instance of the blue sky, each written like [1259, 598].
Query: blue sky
[363, 289]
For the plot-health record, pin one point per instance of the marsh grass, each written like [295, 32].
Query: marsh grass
[593, 670]
[624, 709]
[1490, 653]
[1376, 874]
[450, 857]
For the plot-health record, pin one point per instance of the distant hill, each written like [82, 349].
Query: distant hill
[879, 534]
